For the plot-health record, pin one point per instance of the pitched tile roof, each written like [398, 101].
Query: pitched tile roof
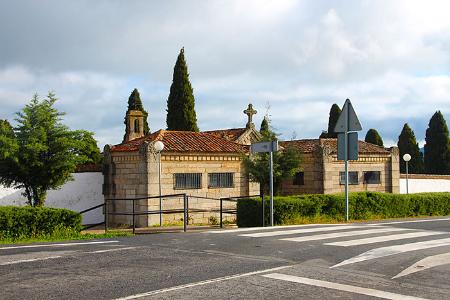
[310, 145]
[184, 141]
[231, 134]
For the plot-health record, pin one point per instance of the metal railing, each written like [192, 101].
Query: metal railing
[91, 209]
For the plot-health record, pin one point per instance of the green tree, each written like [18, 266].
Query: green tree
[135, 103]
[372, 136]
[181, 102]
[88, 147]
[286, 162]
[40, 153]
[407, 144]
[436, 145]
[335, 111]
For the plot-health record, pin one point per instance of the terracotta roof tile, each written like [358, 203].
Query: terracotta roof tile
[308, 146]
[231, 134]
[184, 141]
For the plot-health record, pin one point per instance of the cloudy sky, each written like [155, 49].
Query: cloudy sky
[391, 58]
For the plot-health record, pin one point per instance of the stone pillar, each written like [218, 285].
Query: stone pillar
[395, 170]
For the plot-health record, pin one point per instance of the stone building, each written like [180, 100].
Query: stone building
[200, 164]
[377, 169]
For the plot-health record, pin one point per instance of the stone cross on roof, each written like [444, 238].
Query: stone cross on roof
[250, 112]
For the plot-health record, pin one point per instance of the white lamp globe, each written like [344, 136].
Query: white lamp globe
[406, 157]
[158, 146]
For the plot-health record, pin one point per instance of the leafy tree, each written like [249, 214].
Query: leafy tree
[181, 102]
[285, 163]
[40, 153]
[88, 147]
[135, 103]
[335, 111]
[372, 136]
[407, 144]
[436, 145]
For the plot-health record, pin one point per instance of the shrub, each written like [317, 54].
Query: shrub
[20, 222]
[362, 206]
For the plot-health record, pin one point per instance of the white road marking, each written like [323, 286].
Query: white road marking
[57, 245]
[341, 287]
[385, 238]
[189, 285]
[342, 234]
[426, 263]
[112, 250]
[392, 250]
[415, 221]
[296, 231]
[271, 228]
[27, 260]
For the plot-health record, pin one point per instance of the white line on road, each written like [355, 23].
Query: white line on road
[341, 234]
[57, 245]
[392, 250]
[341, 287]
[385, 238]
[112, 250]
[296, 231]
[426, 263]
[27, 260]
[189, 285]
[270, 228]
[415, 221]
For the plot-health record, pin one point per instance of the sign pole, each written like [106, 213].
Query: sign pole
[271, 188]
[346, 175]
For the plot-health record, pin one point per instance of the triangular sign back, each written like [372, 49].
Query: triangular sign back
[347, 121]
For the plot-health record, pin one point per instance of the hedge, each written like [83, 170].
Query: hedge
[362, 206]
[19, 222]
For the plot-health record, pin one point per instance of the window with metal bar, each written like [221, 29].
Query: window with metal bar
[221, 180]
[187, 181]
[352, 178]
[372, 177]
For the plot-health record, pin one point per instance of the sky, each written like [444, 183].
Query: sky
[291, 59]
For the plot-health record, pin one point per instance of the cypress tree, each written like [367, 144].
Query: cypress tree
[264, 126]
[335, 111]
[181, 102]
[372, 136]
[135, 103]
[436, 145]
[407, 144]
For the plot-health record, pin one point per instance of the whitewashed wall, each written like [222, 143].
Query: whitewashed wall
[83, 192]
[425, 183]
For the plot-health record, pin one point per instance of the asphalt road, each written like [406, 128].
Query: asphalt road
[408, 259]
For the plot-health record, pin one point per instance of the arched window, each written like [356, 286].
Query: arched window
[136, 126]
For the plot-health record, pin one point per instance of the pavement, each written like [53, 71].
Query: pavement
[404, 259]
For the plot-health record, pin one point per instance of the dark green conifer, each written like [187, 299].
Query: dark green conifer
[335, 111]
[135, 103]
[372, 136]
[264, 126]
[407, 144]
[436, 145]
[181, 102]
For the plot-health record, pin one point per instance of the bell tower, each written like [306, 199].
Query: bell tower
[134, 118]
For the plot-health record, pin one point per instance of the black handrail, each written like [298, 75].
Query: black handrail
[90, 209]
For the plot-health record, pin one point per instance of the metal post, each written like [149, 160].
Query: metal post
[271, 188]
[185, 213]
[159, 177]
[263, 204]
[221, 212]
[106, 215]
[407, 190]
[346, 174]
[134, 226]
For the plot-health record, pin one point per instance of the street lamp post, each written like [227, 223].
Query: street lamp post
[407, 158]
[159, 146]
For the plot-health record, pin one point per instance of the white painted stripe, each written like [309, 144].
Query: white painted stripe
[57, 245]
[297, 231]
[270, 228]
[426, 263]
[189, 285]
[341, 234]
[112, 250]
[341, 287]
[27, 260]
[415, 221]
[385, 238]
[391, 250]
